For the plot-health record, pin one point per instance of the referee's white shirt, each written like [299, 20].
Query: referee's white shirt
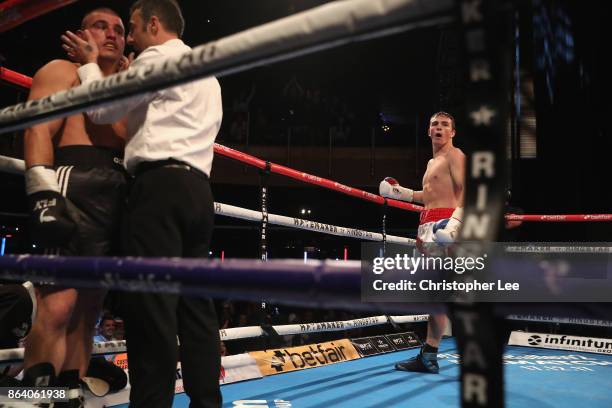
[178, 123]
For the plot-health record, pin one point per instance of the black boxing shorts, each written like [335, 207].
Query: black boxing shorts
[93, 181]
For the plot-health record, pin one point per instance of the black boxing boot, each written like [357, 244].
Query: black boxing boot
[39, 375]
[70, 379]
[424, 362]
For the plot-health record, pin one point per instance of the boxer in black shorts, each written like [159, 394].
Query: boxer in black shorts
[74, 184]
[92, 179]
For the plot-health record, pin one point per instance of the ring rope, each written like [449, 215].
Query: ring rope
[317, 284]
[559, 217]
[561, 320]
[327, 26]
[558, 249]
[311, 179]
[320, 283]
[12, 165]
[15, 78]
[17, 166]
[238, 333]
[291, 329]
[15, 355]
[292, 222]
[174, 275]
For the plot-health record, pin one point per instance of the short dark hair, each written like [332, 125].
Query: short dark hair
[106, 10]
[167, 11]
[107, 317]
[442, 113]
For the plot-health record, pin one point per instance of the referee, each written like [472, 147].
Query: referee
[170, 213]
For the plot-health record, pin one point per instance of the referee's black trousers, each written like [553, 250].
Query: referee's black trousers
[170, 214]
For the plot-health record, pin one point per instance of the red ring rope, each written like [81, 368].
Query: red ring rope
[559, 217]
[310, 179]
[15, 78]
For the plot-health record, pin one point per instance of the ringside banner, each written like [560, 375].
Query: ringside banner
[561, 342]
[299, 358]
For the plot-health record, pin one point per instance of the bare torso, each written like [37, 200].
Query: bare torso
[40, 140]
[78, 130]
[440, 190]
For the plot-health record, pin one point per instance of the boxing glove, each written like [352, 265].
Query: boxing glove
[440, 224]
[390, 188]
[50, 223]
[447, 230]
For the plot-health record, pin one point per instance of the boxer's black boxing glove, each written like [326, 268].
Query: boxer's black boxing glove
[50, 223]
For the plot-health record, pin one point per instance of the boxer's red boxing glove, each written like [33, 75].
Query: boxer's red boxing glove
[390, 188]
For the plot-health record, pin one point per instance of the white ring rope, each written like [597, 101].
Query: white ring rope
[409, 319]
[330, 326]
[99, 349]
[237, 333]
[251, 215]
[558, 249]
[563, 320]
[347, 324]
[109, 347]
[12, 165]
[330, 25]
[17, 166]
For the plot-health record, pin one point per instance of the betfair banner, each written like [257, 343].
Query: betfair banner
[282, 360]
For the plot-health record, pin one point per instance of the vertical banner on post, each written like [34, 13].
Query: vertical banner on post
[263, 249]
[487, 76]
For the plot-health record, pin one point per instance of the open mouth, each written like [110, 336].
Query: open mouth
[110, 46]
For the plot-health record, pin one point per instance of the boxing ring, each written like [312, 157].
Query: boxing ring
[534, 378]
[364, 381]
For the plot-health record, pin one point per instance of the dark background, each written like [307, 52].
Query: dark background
[351, 114]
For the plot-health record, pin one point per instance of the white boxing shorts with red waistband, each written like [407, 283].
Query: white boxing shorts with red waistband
[428, 220]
